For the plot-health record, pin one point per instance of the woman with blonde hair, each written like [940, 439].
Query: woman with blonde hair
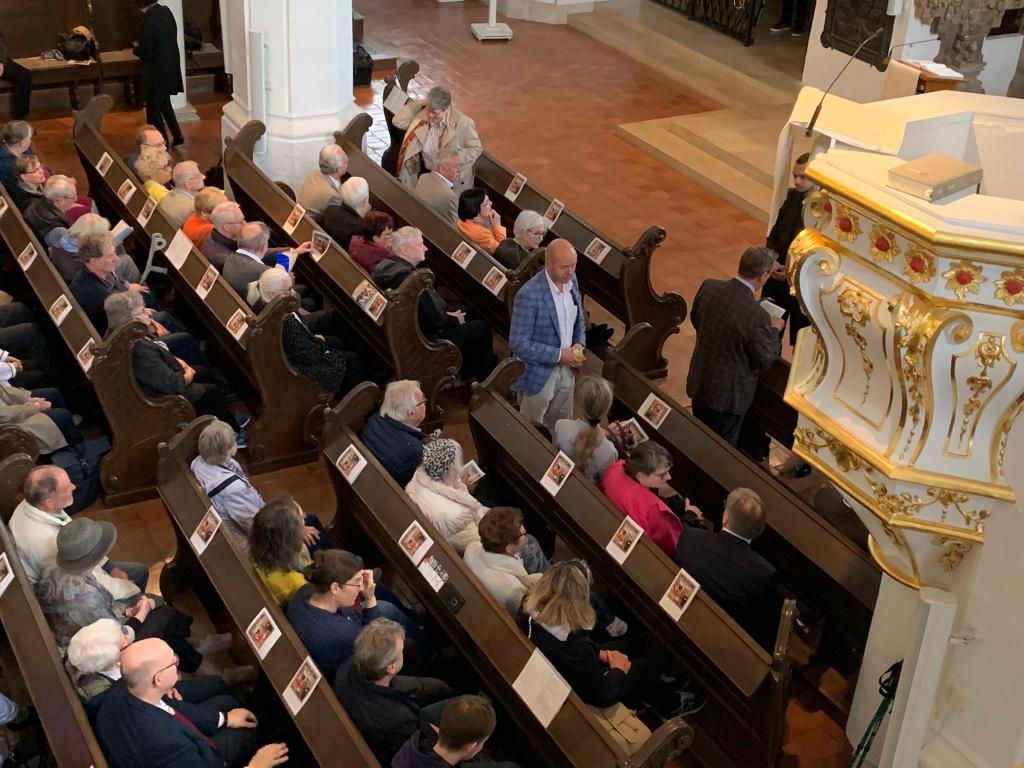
[199, 225]
[558, 617]
[155, 170]
[583, 439]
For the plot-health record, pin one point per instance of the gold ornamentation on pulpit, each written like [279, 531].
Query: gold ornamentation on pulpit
[855, 306]
[883, 244]
[846, 226]
[953, 551]
[963, 277]
[920, 265]
[1010, 287]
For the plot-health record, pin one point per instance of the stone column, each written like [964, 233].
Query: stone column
[307, 78]
[184, 111]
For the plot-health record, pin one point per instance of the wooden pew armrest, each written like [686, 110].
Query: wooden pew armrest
[672, 738]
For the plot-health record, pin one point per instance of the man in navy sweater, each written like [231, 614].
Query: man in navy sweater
[393, 434]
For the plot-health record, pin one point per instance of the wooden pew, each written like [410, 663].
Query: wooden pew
[746, 687]
[30, 640]
[223, 578]
[19, 452]
[137, 423]
[396, 336]
[484, 633]
[284, 429]
[824, 568]
[770, 413]
[621, 283]
[441, 238]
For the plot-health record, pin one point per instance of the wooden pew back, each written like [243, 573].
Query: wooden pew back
[137, 422]
[749, 686]
[480, 627]
[284, 430]
[224, 575]
[19, 452]
[395, 335]
[821, 565]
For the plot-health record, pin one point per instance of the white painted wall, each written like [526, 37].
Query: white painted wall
[863, 83]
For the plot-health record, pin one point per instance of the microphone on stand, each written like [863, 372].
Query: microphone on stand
[888, 56]
[817, 110]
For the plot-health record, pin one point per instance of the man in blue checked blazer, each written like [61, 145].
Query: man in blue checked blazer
[548, 335]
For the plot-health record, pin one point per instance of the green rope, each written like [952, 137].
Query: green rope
[887, 685]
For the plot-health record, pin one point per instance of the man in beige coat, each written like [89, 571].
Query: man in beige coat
[41, 414]
[430, 125]
[322, 186]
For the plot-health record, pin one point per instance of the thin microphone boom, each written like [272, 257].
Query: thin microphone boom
[817, 109]
[913, 42]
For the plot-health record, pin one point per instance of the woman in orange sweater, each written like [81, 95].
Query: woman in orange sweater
[478, 220]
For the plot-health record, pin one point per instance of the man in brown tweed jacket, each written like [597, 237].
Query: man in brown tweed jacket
[736, 340]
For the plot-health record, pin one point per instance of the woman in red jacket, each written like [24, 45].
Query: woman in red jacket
[633, 485]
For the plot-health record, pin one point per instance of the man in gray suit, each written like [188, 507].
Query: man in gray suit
[436, 187]
[736, 340]
[178, 204]
[254, 257]
[321, 187]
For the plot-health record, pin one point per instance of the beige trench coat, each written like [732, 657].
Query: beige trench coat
[459, 134]
[16, 408]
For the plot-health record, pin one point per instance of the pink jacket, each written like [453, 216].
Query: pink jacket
[644, 506]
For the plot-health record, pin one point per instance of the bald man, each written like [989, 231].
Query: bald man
[548, 335]
[178, 204]
[40, 516]
[139, 724]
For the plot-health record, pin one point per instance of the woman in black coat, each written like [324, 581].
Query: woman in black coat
[161, 71]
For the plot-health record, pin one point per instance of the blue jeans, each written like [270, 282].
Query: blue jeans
[138, 574]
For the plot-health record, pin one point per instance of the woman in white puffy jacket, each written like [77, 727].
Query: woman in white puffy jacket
[439, 489]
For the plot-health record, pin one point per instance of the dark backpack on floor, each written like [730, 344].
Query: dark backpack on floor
[362, 65]
[82, 463]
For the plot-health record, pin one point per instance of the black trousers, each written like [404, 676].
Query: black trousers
[160, 112]
[476, 343]
[207, 397]
[778, 292]
[21, 79]
[21, 337]
[725, 424]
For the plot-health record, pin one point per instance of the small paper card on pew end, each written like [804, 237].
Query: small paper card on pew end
[205, 531]
[415, 542]
[293, 219]
[515, 187]
[430, 568]
[146, 212]
[541, 688]
[263, 632]
[350, 463]
[557, 473]
[6, 573]
[179, 249]
[301, 686]
[654, 410]
[679, 595]
[624, 540]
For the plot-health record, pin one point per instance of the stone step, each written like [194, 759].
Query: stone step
[656, 139]
[716, 79]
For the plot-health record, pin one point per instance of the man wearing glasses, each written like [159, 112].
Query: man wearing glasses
[138, 723]
[393, 434]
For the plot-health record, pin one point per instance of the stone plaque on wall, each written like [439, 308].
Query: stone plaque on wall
[849, 22]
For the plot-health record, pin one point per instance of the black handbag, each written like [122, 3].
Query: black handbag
[78, 44]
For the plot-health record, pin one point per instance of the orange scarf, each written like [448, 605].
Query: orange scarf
[409, 136]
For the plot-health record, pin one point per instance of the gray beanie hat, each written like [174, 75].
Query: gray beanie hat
[83, 543]
[438, 456]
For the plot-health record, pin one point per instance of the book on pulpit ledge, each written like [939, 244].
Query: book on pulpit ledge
[934, 177]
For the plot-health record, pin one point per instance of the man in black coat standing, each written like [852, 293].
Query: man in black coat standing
[161, 72]
[17, 76]
[744, 584]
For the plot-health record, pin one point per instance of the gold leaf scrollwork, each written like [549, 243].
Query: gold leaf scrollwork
[883, 244]
[919, 265]
[1010, 287]
[1004, 434]
[912, 339]
[855, 306]
[903, 504]
[846, 225]
[821, 207]
[816, 439]
[953, 551]
[987, 352]
[963, 277]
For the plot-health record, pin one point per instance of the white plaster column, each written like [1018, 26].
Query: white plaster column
[183, 110]
[307, 78]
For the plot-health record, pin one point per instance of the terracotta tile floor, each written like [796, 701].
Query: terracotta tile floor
[547, 105]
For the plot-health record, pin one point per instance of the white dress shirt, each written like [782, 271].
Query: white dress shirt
[565, 308]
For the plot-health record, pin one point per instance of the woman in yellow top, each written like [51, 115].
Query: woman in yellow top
[279, 544]
[154, 168]
[478, 220]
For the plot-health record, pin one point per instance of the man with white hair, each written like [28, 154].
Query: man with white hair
[322, 187]
[250, 259]
[64, 253]
[393, 434]
[178, 204]
[48, 215]
[431, 125]
[437, 187]
[472, 337]
[40, 516]
[344, 220]
[227, 218]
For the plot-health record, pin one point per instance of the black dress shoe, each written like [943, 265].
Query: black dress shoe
[802, 470]
[178, 141]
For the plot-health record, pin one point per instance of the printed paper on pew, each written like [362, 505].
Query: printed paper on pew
[293, 219]
[495, 280]
[541, 688]
[120, 232]
[556, 475]
[6, 573]
[350, 463]
[415, 542]
[60, 309]
[125, 191]
[624, 540]
[597, 250]
[432, 570]
[104, 164]
[146, 213]
[679, 595]
[179, 249]
[237, 325]
[3, 207]
[654, 410]
[26, 257]
[515, 187]
[85, 355]
[396, 99]
[319, 243]
[263, 633]
[207, 281]
[370, 299]
[471, 473]
[463, 254]
[301, 686]
[205, 531]
[553, 212]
